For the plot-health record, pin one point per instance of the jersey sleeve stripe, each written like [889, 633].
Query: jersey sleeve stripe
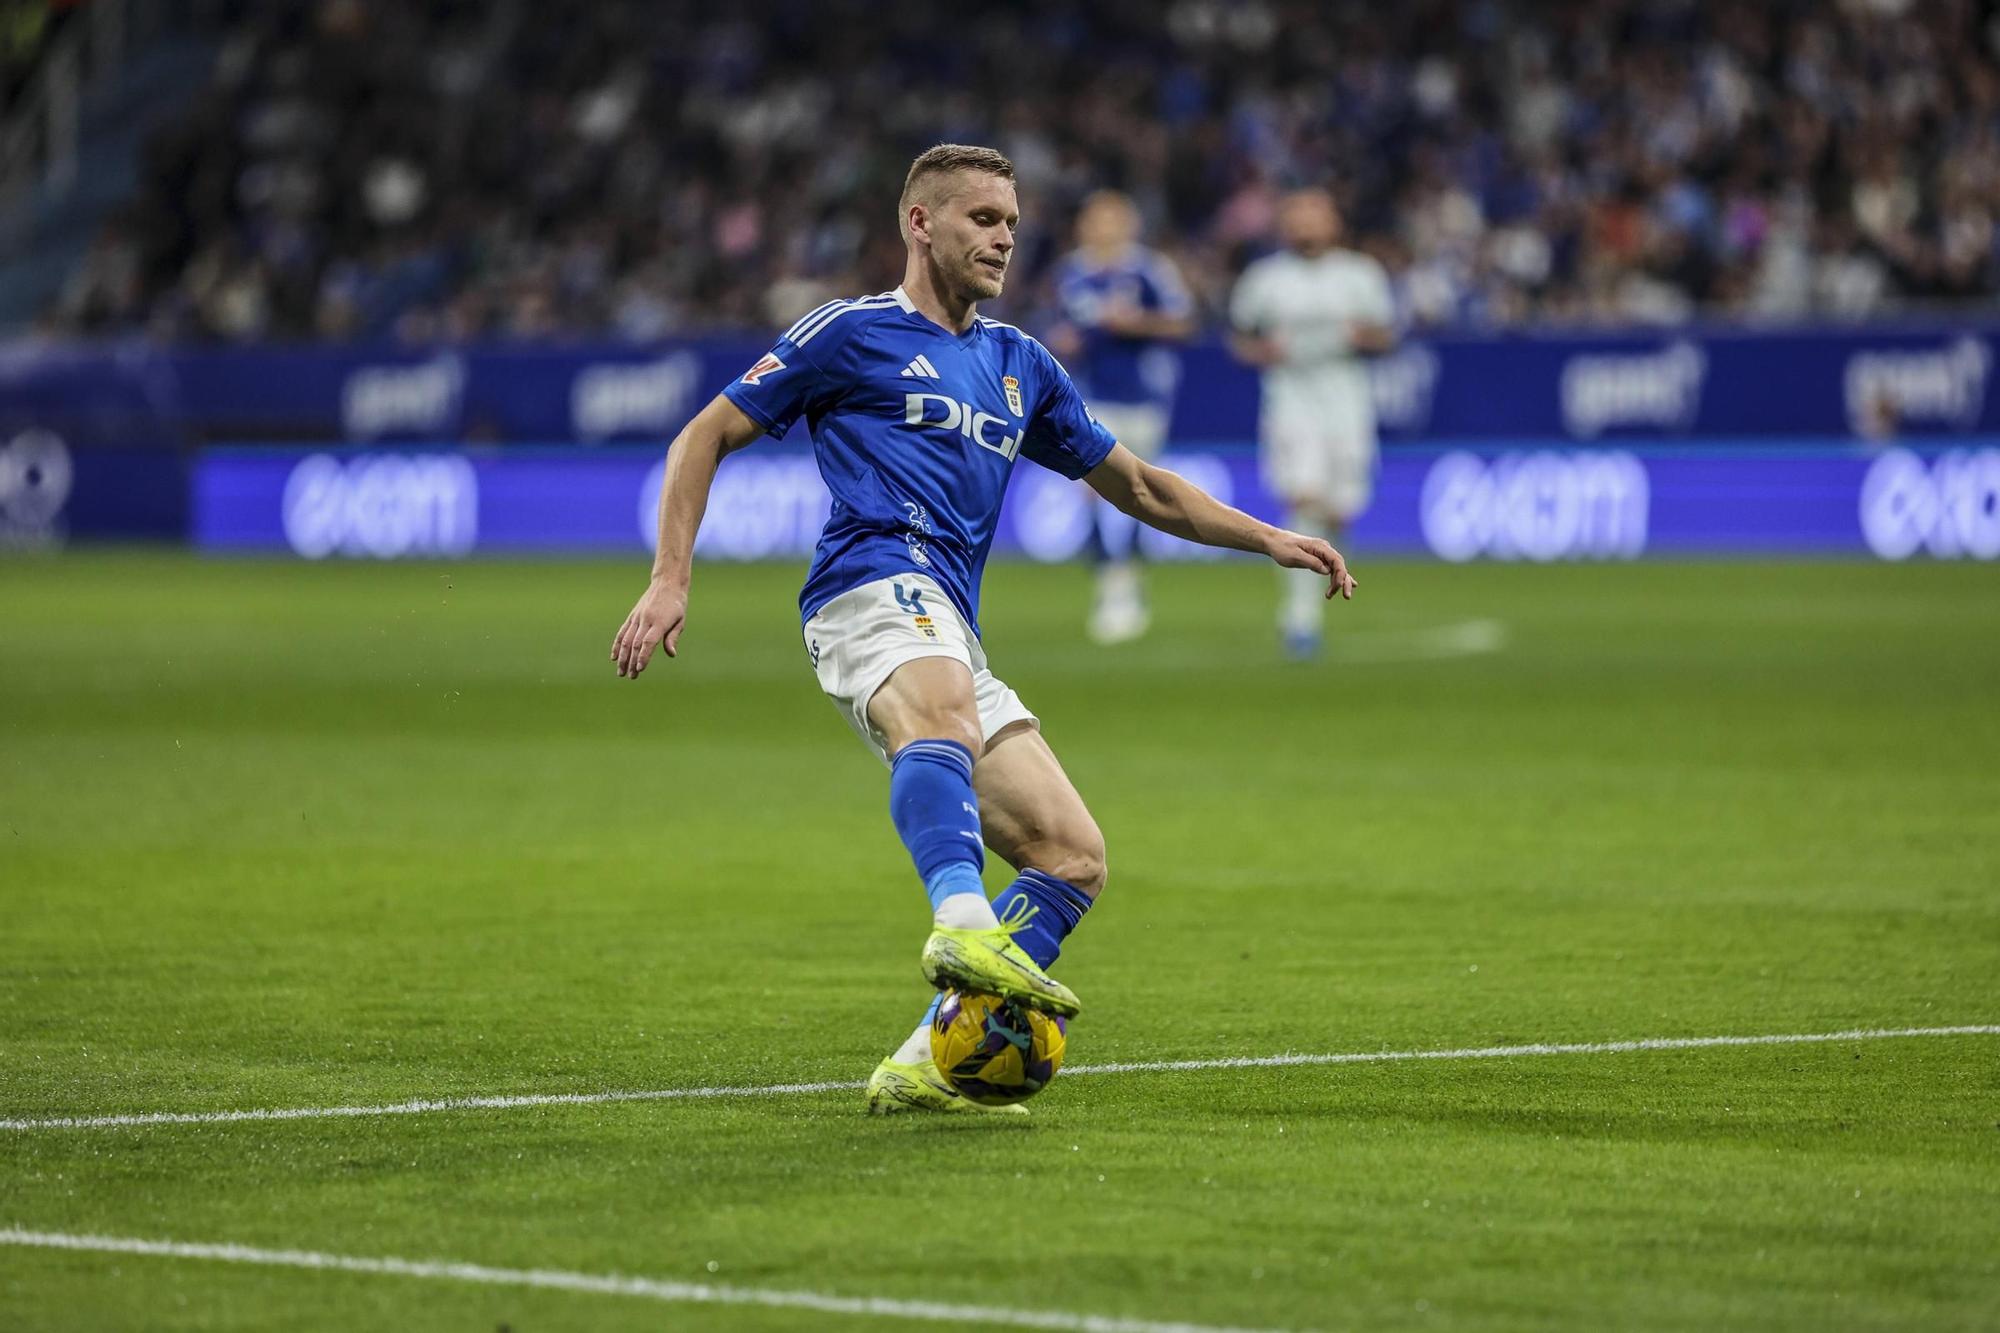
[1027, 338]
[810, 324]
[872, 303]
[821, 312]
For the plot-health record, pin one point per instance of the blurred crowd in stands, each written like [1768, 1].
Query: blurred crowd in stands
[25, 33]
[454, 169]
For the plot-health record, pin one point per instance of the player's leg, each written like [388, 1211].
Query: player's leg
[1118, 606]
[899, 661]
[1032, 818]
[1302, 609]
[1291, 455]
[1325, 480]
[1118, 613]
[930, 724]
[1035, 821]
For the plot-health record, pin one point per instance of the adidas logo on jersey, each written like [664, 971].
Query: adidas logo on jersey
[961, 418]
[921, 368]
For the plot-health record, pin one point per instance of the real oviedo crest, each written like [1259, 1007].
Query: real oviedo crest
[1013, 388]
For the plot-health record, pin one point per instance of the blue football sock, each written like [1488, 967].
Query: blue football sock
[1062, 905]
[937, 816]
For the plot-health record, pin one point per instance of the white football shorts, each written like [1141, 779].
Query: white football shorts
[859, 638]
[1140, 427]
[1308, 461]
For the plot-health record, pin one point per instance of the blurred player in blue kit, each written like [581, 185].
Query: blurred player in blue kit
[1124, 307]
[918, 408]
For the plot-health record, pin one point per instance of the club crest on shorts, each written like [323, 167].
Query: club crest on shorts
[913, 602]
[762, 368]
[1013, 388]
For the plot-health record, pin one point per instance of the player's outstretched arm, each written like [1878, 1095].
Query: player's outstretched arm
[717, 430]
[1163, 500]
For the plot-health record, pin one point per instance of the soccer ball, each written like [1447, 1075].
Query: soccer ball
[995, 1051]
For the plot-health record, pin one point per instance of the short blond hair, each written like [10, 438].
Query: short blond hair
[935, 166]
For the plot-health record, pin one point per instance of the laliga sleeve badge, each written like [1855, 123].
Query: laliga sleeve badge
[762, 368]
[1013, 388]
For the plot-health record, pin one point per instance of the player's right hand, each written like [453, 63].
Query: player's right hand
[655, 622]
[1295, 550]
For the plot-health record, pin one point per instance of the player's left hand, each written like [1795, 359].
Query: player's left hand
[1296, 551]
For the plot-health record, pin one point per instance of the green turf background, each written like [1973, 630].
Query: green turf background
[275, 834]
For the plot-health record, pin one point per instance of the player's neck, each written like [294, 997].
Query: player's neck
[953, 314]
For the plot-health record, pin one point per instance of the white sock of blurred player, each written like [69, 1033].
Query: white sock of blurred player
[1302, 605]
[1120, 613]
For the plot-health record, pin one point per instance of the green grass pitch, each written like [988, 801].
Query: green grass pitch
[276, 835]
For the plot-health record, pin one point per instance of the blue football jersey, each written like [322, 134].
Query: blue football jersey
[1112, 367]
[916, 431]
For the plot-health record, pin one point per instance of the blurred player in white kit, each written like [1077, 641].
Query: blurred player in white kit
[1309, 317]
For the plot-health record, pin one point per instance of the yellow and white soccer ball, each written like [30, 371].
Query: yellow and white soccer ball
[995, 1051]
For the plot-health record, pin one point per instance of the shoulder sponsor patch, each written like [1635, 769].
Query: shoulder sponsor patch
[764, 367]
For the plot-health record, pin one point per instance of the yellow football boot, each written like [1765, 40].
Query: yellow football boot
[988, 961]
[895, 1088]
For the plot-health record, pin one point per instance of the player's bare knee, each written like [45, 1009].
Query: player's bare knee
[1088, 871]
[941, 725]
[1077, 859]
[965, 730]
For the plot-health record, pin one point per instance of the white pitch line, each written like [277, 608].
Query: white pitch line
[1546, 1048]
[423, 1106]
[1465, 638]
[603, 1284]
[428, 1105]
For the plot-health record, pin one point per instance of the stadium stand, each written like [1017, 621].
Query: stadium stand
[442, 169]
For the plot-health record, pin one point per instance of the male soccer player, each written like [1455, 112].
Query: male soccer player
[918, 408]
[1309, 316]
[1124, 306]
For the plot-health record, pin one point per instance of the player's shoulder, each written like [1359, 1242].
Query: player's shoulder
[1344, 265]
[831, 326]
[1005, 337]
[1005, 333]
